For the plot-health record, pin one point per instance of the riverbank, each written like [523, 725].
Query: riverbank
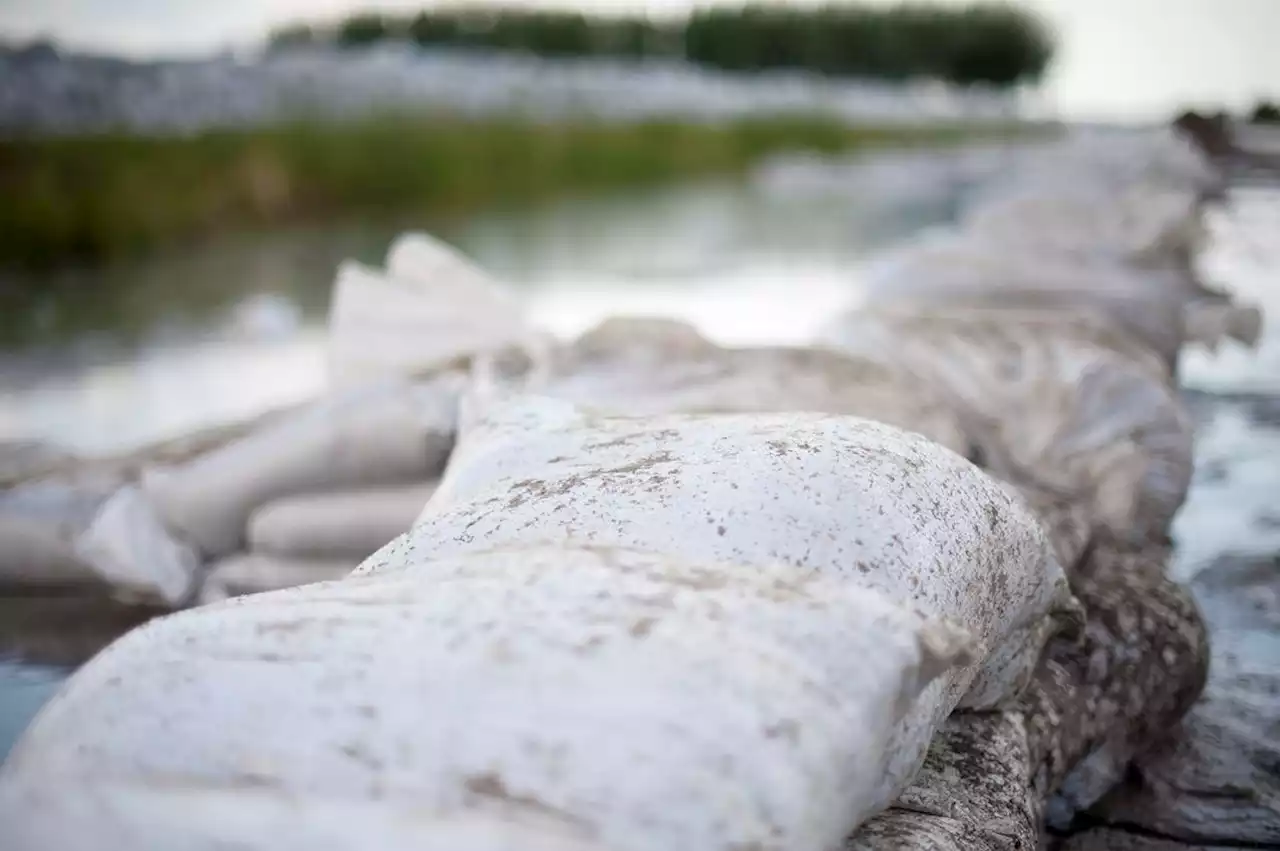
[92, 198]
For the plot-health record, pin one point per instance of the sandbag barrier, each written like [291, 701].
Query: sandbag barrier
[1030, 714]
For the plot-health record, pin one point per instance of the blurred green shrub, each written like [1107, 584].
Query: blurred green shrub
[992, 44]
[1265, 113]
[101, 196]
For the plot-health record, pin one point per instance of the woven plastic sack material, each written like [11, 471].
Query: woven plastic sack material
[430, 309]
[640, 366]
[1060, 405]
[338, 525]
[840, 496]
[553, 698]
[254, 573]
[391, 432]
[951, 271]
[129, 546]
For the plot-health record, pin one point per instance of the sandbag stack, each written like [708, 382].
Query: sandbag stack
[305, 495]
[672, 595]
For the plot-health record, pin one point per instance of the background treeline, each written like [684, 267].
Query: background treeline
[992, 44]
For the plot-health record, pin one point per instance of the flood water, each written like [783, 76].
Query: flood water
[108, 360]
[217, 332]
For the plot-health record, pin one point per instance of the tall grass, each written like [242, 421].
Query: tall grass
[99, 197]
[989, 43]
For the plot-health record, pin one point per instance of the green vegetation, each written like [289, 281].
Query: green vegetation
[993, 44]
[99, 197]
[1265, 113]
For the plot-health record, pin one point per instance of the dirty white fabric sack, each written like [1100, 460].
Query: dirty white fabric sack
[1140, 224]
[553, 698]
[1160, 157]
[1060, 405]
[430, 308]
[254, 573]
[653, 366]
[950, 270]
[337, 525]
[386, 433]
[129, 546]
[876, 506]
[39, 523]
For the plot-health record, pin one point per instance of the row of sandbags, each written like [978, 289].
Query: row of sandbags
[305, 496]
[310, 493]
[667, 595]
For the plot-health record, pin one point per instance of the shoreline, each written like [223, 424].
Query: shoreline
[99, 197]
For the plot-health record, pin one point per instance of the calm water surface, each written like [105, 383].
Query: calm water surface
[218, 332]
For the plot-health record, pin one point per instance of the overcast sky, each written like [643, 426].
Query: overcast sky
[1117, 58]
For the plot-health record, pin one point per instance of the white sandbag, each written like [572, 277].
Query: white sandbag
[39, 524]
[950, 270]
[548, 698]
[429, 309]
[386, 433]
[36, 558]
[1160, 157]
[649, 366]
[1059, 404]
[129, 546]
[254, 573]
[337, 525]
[841, 496]
[1140, 224]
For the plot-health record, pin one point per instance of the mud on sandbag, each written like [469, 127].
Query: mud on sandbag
[430, 309]
[875, 505]
[1099, 699]
[1060, 405]
[255, 573]
[650, 366]
[336, 525]
[1216, 780]
[664, 704]
[386, 433]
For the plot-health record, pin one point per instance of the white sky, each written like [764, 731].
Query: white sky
[1117, 58]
